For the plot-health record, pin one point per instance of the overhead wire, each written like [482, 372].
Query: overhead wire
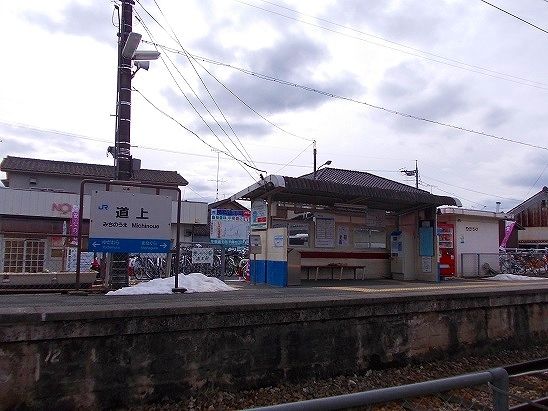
[400, 44]
[247, 156]
[294, 158]
[352, 100]
[194, 133]
[453, 194]
[516, 17]
[177, 51]
[469, 189]
[139, 146]
[227, 150]
[470, 68]
[537, 180]
[187, 54]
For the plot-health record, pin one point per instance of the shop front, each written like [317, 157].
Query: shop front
[341, 225]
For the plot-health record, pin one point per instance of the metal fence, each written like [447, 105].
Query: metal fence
[517, 261]
[48, 263]
[487, 390]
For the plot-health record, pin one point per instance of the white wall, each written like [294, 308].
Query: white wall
[40, 204]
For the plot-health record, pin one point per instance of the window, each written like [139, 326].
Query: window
[298, 234]
[13, 256]
[369, 238]
[24, 255]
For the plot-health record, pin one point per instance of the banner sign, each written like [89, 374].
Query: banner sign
[508, 228]
[229, 227]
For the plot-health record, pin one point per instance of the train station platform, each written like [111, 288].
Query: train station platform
[101, 352]
[43, 305]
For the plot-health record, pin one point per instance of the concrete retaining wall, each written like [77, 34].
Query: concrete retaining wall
[105, 359]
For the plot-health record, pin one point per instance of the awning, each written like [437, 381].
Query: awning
[336, 194]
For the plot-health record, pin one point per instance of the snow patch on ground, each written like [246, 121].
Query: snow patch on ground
[193, 282]
[513, 277]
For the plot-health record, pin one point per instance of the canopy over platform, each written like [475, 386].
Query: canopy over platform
[338, 188]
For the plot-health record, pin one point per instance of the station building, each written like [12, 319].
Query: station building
[532, 215]
[341, 224]
[39, 197]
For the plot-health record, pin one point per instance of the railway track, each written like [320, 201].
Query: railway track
[528, 385]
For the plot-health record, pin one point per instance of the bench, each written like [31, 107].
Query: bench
[332, 266]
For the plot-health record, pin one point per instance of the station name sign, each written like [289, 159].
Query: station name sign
[129, 222]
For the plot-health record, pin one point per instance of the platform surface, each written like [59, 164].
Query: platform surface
[17, 307]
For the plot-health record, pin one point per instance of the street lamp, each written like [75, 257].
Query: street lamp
[328, 162]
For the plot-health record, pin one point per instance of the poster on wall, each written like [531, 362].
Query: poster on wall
[426, 263]
[325, 231]
[343, 234]
[259, 214]
[229, 227]
[375, 218]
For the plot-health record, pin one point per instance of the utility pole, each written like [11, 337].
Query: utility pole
[122, 153]
[123, 119]
[414, 172]
[314, 153]
[215, 150]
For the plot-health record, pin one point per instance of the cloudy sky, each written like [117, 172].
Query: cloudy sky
[461, 63]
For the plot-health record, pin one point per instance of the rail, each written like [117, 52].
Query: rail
[497, 378]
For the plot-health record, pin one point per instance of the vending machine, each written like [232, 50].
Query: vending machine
[446, 244]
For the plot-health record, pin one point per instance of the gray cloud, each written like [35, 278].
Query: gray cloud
[36, 143]
[404, 80]
[416, 22]
[80, 20]
[496, 117]
[525, 178]
[294, 59]
[13, 147]
[441, 105]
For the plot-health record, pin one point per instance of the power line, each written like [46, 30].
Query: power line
[294, 158]
[142, 147]
[203, 83]
[195, 94]
[513, 15]
[195, 134]
[395, 112]
[540, 175]
[195, 192]
[453, 194]
[188, 55]
[471, 190]
[399, 44]
[468, 67]
[241, 163]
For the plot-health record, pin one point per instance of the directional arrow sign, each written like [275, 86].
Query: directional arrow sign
[128, 245]
[129, 222]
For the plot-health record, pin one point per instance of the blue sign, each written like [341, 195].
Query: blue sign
[128, 245]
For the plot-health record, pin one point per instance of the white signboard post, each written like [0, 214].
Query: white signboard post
[202, 256]
[129, 222]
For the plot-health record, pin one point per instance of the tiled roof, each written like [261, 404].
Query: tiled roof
[360, 178]
[339, 188]
[85, 170]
